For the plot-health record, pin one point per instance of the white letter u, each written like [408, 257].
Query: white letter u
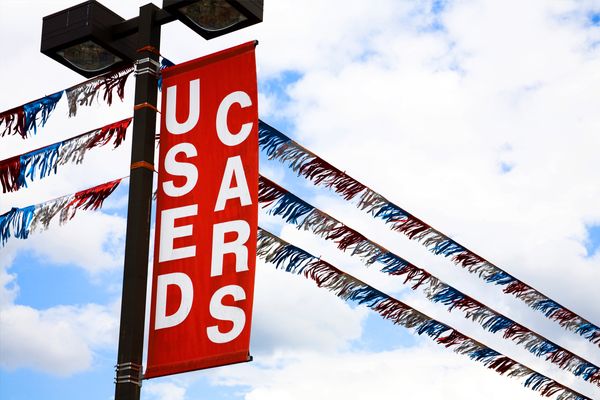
[175, 127]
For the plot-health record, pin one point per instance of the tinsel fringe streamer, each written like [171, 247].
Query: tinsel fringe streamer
[298, 212]
[278, 146]
[40, 163]
[26, 118]
[84, 93]
[164, 63]
[20, 222]
[297, 261]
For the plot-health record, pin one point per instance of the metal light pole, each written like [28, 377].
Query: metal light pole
[91, 39]
[133, 301]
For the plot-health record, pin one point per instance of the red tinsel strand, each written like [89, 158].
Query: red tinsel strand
[595, 378]
[516, 288]
[116, 80]
[410, 226]
[502, 365]
[10, 170]
[391, 309]
[562, 316]
[551, 388]
[14, 122]
[320, 171]
[344, 237]
[92, 199]
[320, 272]
[268, 192]
[107, 132]
[515, 331]
[455, 338]
[466, 304]
[424, 275]
[412, 272]
[467, 259]
[560, 357]
[337, 232]
[348, 187]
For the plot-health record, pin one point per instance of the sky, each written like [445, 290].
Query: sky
[478, 116]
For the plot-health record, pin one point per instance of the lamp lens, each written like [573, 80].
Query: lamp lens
[89, 56]
[213, 15]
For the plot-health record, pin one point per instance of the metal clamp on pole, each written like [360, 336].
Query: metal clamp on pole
[152, 67]
[128, 373]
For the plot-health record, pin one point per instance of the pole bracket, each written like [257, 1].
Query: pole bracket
[151, 67]
[128, 373]
[145, 105]
[142, 164]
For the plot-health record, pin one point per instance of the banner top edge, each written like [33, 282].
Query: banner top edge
[209, 58]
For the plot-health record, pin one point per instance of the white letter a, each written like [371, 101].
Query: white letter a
[234, 167]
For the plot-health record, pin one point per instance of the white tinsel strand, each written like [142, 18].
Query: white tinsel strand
[371, 202]
[45, 213]
[519, 371]
[74, 150]
[367, 251]
[319, 223]
[468, 346]
[294, 155]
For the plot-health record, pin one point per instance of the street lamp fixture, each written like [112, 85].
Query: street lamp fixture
[91, 39]
[212, 18]
[81, 38]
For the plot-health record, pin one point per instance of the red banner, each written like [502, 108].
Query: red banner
[207, 214]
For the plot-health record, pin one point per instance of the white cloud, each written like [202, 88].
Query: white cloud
[59, 341]
[428, 119]
[93, 241]
[65, 339]
[8, 282]
[419, 372]
[164, 391]
[290, 313]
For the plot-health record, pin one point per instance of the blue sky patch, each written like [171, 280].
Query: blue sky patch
[437, 6]
[43, 286]
[593, 242]
[98, 383]
[505, 167]
[382, 335]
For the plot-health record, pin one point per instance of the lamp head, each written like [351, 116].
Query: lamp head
[212, 18]
[80, 37]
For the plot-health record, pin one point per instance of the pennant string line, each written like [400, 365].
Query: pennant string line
[303, 162]
[20, 222]
[42, 162]
[297, 261]
[26, 118]
[306, 217]
[86, 92]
